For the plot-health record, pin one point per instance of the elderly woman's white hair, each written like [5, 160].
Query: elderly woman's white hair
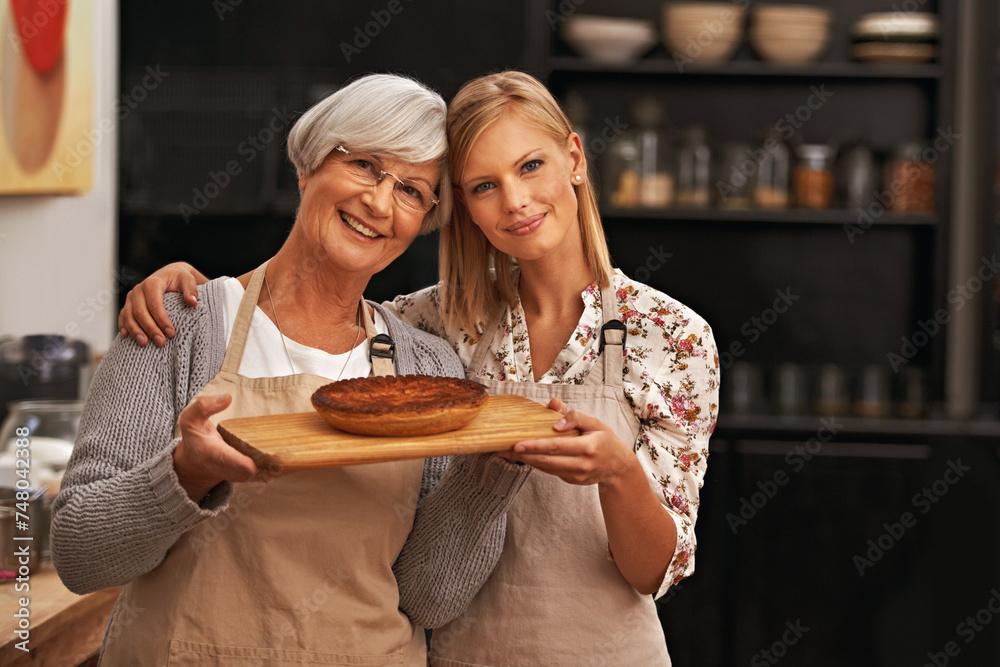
[382, 114]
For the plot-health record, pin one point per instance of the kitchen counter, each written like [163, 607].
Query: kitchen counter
[66, 629]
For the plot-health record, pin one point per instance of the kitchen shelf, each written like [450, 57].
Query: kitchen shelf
[750, 425]
[751, 68]
[789, 216]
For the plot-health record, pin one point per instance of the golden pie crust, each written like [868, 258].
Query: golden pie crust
[401, 405]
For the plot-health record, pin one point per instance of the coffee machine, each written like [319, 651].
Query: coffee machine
[42, 366]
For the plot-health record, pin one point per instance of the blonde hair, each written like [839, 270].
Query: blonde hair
[381, 114]
[476, 278]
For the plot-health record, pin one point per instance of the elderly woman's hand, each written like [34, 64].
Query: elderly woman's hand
[143, 316]
[202, 459]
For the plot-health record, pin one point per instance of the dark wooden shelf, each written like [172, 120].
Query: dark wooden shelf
[753, 68]
[789, 216]
[748, 425]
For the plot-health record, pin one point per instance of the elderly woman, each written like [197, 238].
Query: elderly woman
[225, 564]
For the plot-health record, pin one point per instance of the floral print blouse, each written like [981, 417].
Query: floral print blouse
[671, 381]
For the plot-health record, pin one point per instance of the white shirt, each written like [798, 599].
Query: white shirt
[264, 355]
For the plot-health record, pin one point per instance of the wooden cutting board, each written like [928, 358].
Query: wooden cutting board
[304, 440]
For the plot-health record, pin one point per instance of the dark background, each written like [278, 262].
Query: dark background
[794, 560]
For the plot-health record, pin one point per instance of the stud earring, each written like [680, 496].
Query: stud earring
[578, 178]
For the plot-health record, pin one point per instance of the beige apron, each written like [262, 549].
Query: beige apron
[555, 597]
[294, 571]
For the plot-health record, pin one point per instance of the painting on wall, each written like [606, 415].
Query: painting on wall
[46, 96]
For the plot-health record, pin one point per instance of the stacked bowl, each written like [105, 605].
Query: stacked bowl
[790, 34]
[702, 32]
[896, 37]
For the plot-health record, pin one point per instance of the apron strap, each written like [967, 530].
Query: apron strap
[238, 339]
[381, 349]
[610, 343]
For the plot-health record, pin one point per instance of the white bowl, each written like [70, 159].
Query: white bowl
[611, 40]
[588, 26]
[883, 25]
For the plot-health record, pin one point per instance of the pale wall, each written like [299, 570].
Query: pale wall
[58, 253]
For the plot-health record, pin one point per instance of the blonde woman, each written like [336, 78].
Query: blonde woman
[530, 302]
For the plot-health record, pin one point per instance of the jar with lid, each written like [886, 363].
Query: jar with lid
[910, 179]
[656, 178]
[694, 165]
[774, 172]
[735, 182]
[814, 176]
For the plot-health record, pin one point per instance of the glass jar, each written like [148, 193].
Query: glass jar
[622, 172]
[858, 179]
[694, 166]
[46, 429]
[910, 179]
[774, 172]
[656, 177]
[50, 428]
[814, 176]
[735, 182]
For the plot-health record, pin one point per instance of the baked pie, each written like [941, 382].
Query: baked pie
[400, 405]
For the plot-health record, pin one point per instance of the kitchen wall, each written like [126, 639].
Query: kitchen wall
[58, 253]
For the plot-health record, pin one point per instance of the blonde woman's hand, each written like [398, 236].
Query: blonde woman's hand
[143, 317]
[596, 456]
[202, 459]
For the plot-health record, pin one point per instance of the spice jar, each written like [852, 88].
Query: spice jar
[735, 182]
[814, 176]
[910, 179]
[774, 172]
[694, 163]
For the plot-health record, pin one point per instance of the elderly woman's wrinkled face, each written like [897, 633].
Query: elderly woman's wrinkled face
[361, 228]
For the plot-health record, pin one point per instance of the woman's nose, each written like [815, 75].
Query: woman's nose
[515, 195]
[380, 198]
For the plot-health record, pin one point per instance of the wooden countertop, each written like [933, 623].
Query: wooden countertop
[66, 629]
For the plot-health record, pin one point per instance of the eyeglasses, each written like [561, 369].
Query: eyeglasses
[367, 170]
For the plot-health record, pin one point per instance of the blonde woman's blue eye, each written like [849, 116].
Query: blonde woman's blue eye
[482, 187]
[532, 165]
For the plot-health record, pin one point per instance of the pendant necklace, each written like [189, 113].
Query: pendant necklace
[285, 347]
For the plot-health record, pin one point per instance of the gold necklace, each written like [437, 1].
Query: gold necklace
[285, 347]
